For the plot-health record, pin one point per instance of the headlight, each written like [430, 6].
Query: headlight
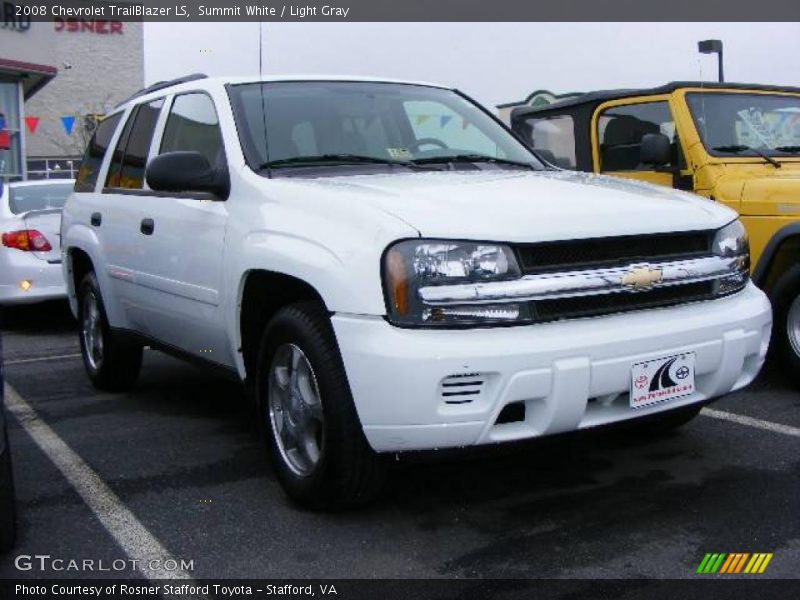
[415, 264]
[731, 242]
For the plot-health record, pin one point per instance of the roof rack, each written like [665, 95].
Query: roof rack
[160, 85]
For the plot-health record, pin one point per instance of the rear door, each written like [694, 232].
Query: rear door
[617, 131]
[122, 211]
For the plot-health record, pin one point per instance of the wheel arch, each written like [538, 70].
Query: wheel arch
[778, 256]
[262, 293]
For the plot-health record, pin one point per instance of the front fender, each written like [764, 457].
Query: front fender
[761, 271]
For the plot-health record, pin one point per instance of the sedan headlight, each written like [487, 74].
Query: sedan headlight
[415, 264]
[731, 242]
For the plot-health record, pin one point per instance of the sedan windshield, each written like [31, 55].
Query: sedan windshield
[741, 124]
[38, 197]
[369, 125]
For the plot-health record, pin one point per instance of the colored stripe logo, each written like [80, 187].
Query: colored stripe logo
[733, 563]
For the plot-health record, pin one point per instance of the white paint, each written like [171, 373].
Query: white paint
[133, 537]
[24, 361]
[494, 62]
[752, 422]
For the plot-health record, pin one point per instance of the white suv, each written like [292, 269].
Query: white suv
[387, 268]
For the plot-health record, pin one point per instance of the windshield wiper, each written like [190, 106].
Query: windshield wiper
[456, 158]
[789, 149]
[737, 148]
[332, 159]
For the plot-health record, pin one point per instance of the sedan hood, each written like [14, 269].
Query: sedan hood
[523, 206]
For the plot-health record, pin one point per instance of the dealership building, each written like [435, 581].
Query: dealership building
[56, 79]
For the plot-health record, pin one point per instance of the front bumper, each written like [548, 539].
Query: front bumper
[570, 375]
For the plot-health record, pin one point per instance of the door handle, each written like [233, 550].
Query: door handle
[147, 227]
[96, 219]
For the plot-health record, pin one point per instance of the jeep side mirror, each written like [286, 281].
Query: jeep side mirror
[656, 150]
[186, 172]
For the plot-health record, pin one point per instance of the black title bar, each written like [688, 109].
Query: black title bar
[404, 10]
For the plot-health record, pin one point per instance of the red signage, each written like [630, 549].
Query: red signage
[100, 26]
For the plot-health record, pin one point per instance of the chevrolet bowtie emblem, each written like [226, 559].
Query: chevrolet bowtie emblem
[640, 278]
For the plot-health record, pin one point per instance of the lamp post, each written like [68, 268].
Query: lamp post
[713, 47]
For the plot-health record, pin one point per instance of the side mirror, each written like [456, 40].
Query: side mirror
[186, 172]
[656, 150]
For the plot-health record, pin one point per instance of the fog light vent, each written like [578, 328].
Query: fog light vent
[462, 389]
[511, 413]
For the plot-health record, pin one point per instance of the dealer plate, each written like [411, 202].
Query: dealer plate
[662, 379]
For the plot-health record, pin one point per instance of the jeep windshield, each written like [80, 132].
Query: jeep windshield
[742, 124]
[297, 126]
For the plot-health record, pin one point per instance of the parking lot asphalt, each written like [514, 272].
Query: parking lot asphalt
[182, 454]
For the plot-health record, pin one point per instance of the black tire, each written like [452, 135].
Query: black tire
[119, 361]
[783, 295]
[8, 510]
[348, 472]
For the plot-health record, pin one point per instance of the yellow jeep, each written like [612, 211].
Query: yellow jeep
[738, 144]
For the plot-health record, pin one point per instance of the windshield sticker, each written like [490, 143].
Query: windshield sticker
[771, 129]
[399, 153]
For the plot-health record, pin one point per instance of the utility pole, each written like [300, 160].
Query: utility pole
[713, 47]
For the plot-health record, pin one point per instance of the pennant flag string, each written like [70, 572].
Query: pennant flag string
[68, 121]
[444, 120]
[32, 123]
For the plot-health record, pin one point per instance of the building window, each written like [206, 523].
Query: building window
[10, 132]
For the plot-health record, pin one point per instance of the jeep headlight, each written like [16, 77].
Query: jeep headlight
[412, 265]
[731, 242]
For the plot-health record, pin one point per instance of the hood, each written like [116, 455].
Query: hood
[775, 192]
[524, 206]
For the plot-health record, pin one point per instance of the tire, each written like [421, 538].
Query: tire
[8, 511]
[337, 469]
[785, 298]
[111, 363]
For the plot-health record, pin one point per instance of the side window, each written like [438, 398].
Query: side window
[620, 132]
[192, 125]
[131, 171]
[95, 151]
[435, 124]
[554, 139]
[114, 168]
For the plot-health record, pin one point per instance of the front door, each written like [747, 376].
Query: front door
[181, 242]
[618, 128]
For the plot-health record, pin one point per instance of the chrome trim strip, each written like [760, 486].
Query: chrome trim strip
[581, 283]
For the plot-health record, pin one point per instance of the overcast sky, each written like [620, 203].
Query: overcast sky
[494, 62]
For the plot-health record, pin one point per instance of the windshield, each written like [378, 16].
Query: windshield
[369, 124]
[38, 197]
[731, 123]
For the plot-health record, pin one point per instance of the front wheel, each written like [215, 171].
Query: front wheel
[785, 298]
[306, 409]
[111, 363]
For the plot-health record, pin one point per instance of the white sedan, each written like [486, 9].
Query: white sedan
[30, 255]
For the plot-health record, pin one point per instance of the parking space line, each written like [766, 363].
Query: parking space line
[22, 361]
[133, 537]
[752, 422]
